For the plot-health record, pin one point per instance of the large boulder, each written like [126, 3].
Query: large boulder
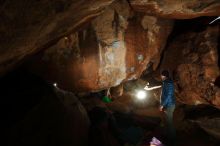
[116, 46]
[192, 57]
[177, 9]
[37, 114]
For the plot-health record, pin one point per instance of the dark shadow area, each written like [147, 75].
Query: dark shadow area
[191, 25]
[200, 111]
[34, 112]
[218, 44]
[217, 81]
[20, 91]
[110, 129]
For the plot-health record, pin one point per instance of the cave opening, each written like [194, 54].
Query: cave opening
[88, 73]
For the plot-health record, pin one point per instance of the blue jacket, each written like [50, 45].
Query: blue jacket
[167, 96]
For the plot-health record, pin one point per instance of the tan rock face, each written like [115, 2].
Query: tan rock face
[145, 39]
[93, 58]
[193, 56]
[113, 48]
[178, 9]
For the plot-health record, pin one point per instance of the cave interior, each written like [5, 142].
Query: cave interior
[70, 71]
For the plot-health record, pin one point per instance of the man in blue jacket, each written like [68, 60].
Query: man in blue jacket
[167, 102]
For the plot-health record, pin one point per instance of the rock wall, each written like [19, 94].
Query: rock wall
[177, 9]
[29, 26]
[115, 47]
[145, 39]
[192, 56]
[93, 45]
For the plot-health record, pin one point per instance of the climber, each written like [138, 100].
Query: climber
[167, 103]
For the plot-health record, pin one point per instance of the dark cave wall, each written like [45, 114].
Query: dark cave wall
[35, 113]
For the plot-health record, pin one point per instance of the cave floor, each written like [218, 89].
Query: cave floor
[200, 138]
[188, 134]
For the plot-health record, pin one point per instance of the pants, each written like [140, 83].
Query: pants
[171, 133]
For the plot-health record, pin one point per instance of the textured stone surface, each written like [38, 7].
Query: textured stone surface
[196, 65]
[93, 45]
[116, 91]
[178, 9]
[118, 45]
[114, 47]
[211, 126]
[92, 58]
[145, 39]
[28, 26]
